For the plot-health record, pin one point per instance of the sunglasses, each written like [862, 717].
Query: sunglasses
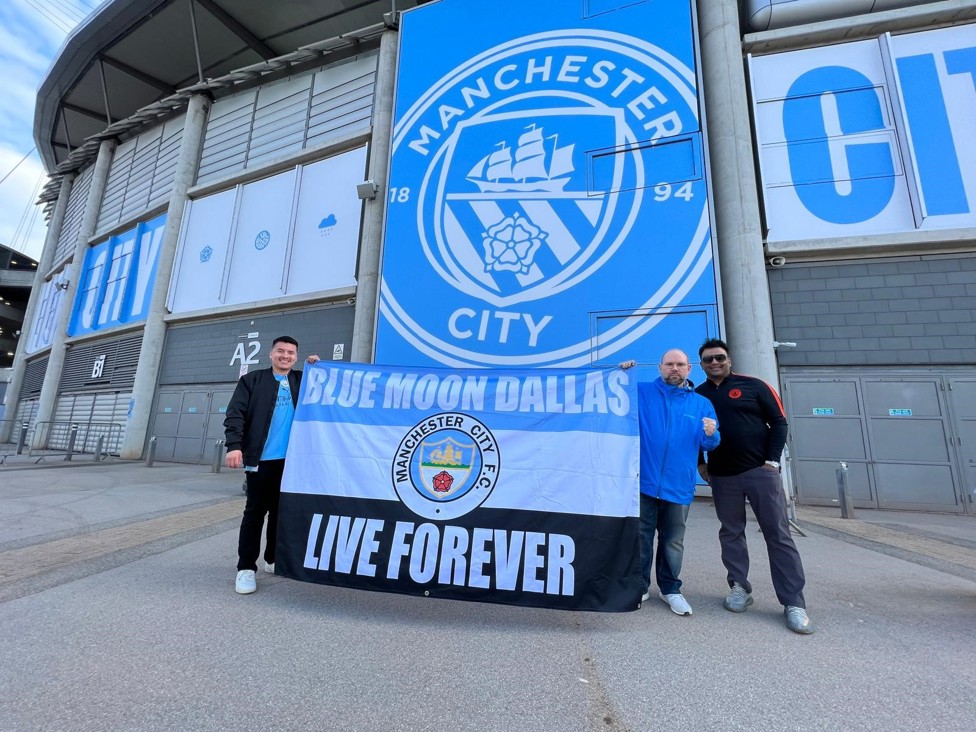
[719, 357]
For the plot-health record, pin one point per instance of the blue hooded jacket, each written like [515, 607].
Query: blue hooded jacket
[670, 419]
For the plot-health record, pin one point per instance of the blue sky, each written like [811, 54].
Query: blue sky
[31, 32]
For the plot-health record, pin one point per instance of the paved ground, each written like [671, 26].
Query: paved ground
[118, 613]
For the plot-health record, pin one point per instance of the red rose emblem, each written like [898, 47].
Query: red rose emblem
[443, 481]
[735, 393]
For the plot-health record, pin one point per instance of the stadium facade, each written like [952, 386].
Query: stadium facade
[463, 182]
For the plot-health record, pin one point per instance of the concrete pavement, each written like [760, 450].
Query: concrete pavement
[118, 610]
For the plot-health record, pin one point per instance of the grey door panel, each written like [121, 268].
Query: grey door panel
[819, 478]
[927, 487]
[905, 439]
[839, 438]
[811, 398]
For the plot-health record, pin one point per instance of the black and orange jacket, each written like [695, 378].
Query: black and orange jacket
[754, 425]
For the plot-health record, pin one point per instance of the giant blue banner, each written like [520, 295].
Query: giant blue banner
[868, 138]
[547, 201]
[117, 279]
[515, 486]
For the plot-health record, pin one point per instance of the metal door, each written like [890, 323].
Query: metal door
[911, 443]
[827, 426]
[192, 424]
[908, 439]
[188, 422]
[215, 420]
[166, 422]
[962, 400]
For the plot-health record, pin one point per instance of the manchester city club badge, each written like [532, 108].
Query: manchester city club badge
[446, 466]
[544, 180]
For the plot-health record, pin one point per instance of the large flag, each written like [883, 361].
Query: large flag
[509, 486]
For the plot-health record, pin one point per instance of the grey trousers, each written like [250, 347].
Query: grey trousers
[764, 491]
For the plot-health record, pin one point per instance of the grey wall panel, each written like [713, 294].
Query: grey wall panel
[188, 422]
[68, 237]
[26, 412]
[118, 181]
[251, 128]
[116, 372]
[94, 415]
[904, 311]
[228, 131]
[342, 100]
[164, 174]
[142, 174]
[33, 378]
[212, 353]
[280, 119]
[143, 163]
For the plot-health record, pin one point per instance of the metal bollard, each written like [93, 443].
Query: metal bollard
[151, 452]
[843, 493]
[218, 455]
[22, 437]
[99, 445]
[71, 441]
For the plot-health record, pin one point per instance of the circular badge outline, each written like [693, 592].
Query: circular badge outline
[452, 508]
[693, 264]
[262, 240]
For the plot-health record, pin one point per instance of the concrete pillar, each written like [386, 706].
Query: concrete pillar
[150, 355]
[371, 245]
[55, 363]
[43, 267]
[736, 228]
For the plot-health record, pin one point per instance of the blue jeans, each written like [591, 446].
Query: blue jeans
[668, 520]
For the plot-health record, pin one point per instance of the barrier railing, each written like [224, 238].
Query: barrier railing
[16, 436]
[89, 438]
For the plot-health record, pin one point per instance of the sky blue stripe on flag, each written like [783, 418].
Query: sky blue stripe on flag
[550, 400]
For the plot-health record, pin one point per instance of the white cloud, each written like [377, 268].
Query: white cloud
[28, 43]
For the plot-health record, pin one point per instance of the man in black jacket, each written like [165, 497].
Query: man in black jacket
[257, 426]
[745, 466]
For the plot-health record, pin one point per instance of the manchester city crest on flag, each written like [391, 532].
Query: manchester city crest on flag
[446, 466]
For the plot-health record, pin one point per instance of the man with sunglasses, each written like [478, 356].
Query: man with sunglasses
[745, 466]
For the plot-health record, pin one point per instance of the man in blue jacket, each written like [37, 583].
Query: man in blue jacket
[675, 423]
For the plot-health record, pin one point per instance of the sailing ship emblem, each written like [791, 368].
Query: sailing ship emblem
[516, 216]
[539, 163]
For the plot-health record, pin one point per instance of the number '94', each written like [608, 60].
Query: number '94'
[664, 191]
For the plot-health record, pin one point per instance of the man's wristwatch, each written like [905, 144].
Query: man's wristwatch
[772, 464]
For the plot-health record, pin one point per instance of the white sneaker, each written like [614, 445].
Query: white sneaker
[646, 596]
[679, 605]
[246, 583]
[269, 568]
